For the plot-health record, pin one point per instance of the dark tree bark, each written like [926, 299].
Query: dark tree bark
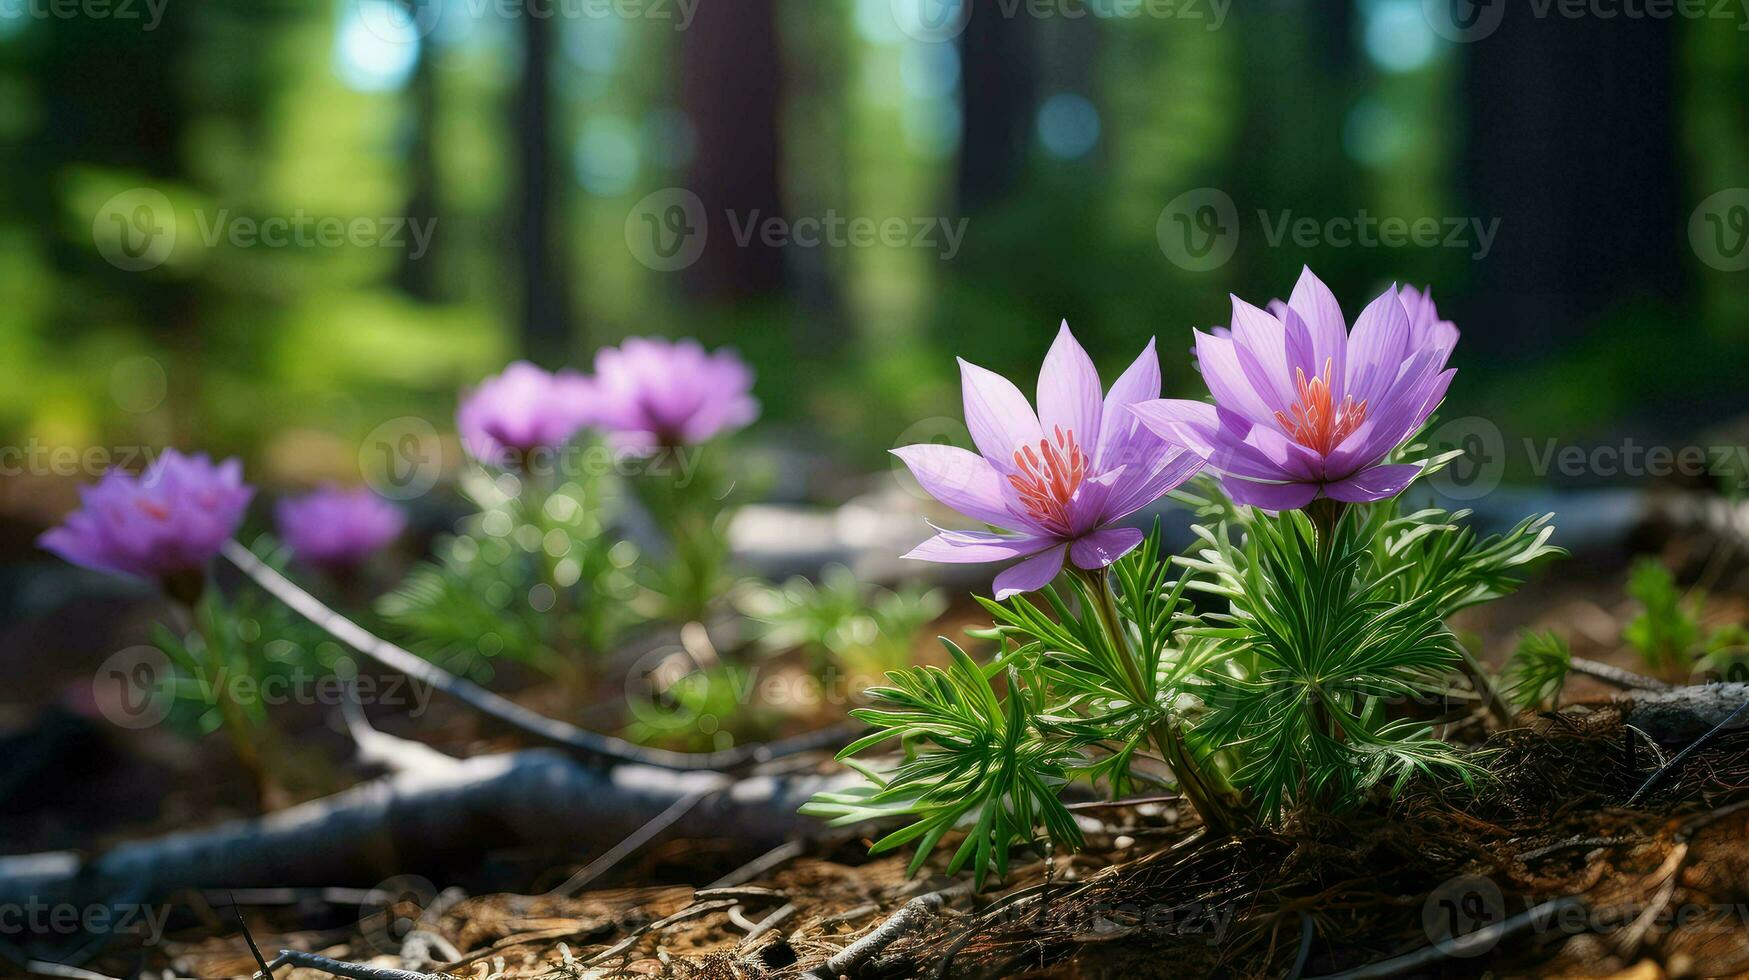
[731, 90]
[1571, 144]
[997, 72]
[547, 329]
[419, 276]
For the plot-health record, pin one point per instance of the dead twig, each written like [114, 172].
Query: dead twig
[1615, 676]
[911, 916]
[1675, 764]
[685, 914]
[340, 968]
[624, 849]
[1482, 939]
[592, 746]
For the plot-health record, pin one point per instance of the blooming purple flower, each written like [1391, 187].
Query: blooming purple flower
[169, 520]
[522, 410]
[1057, 480]
[336, 528]
[1303, 407]
[656, 392]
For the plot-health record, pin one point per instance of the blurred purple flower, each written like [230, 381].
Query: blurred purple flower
[337, 529]
[524, 409]
[165, 522]
[1302, 407]
[1059, 479]
[655, 392]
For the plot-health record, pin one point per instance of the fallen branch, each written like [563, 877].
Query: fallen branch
[1482, 940]
[586, 745]
[1615, 676]
[340, 968]
[536, 797]
[1680, 715]
[910, 917]
[1675, 765]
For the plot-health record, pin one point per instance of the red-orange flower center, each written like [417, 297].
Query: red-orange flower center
[153, 509]
[1315, 421]
[1048, 478]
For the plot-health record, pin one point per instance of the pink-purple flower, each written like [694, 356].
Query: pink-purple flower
[655, 392]
[524, 409]
[1056, 481]
[338, 529]
[1303, 407]
[167, 521]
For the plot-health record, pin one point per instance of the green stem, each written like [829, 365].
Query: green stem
[1216, 815]
[236, 725]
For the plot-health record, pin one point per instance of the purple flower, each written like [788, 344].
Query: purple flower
[1303, 407]
[522, 410]
[335, 528]
[167, 521]
[655, 392]
[1057, 480]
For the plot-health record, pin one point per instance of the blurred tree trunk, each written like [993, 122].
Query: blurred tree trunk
[547, 331]
[997, 74]
[731, 91]
[419, 276]
[1571, 144]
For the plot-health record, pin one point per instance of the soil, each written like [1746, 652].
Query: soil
[1657, 889]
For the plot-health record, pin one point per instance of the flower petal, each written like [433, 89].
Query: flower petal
[973, 547]
[1068, 391]
[1032, 574]
[1317, 305]
[960, 479]
[1378, 347]
[1104, 546]
[1227, 379]
[1170, 469]
[998, 415]
[1270, 496]
[1117, 426]
[1261, 341]
[1372, 484]
[1180, 421]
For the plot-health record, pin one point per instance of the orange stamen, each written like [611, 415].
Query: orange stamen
[1049, 477]
[1314, 421]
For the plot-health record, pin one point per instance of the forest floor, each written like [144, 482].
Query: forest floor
[1543, 869]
